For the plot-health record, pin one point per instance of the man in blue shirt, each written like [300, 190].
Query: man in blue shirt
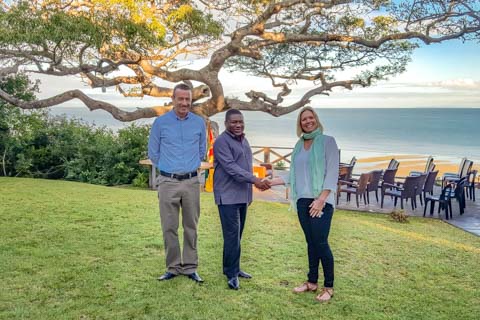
[232, 187]
[176, 146]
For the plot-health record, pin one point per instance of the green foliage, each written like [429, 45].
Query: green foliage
[280, 165]
[22, 25]
[108, 26]
[19, 86]
[186, 17]
[65, 31]
[40, 146]
[349, 22]
[384, 21]
[102, 157]
[17, 127]
[141, 180]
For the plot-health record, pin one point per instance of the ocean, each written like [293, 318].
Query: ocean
[445, 133]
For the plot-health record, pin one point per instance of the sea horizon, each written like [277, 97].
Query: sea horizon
[446, 133]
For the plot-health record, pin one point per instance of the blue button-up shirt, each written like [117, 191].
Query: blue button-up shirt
[233, 177]
[177, 145]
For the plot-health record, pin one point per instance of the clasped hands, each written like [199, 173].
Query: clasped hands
[263, 185]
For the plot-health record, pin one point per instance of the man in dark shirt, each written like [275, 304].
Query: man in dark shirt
[232, 187]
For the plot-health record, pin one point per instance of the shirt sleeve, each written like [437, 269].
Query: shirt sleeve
[154, 143]
[203, 141]
[332, 160]
[224, 157]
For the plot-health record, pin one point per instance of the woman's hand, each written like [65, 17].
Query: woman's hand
[276, 181]
[316, 208]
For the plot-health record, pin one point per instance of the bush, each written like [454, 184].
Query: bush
[141, 180]
[17, 127]
[399, 216]
[104, 157]
[280, 165]
[35, 144]
[107, 158]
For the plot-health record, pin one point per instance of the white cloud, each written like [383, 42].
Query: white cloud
[462, 84]
[396, 93]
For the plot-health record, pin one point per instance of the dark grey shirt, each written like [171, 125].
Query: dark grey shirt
[233, 177]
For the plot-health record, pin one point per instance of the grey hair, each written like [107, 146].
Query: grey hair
[182, 86]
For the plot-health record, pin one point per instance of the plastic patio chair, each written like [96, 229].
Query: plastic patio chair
[406, 191]
[388, 177]
[429, 183]
[419, 189]
[373, 183]
[463, 169]
[358, 187]
[429, 166]
[471, 184]
[442, 199]
[393, 164]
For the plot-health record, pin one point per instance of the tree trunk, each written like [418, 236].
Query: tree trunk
[3, 162]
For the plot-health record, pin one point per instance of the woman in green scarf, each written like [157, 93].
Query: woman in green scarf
[313, 183]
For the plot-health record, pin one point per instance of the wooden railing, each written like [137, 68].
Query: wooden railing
[279, 154]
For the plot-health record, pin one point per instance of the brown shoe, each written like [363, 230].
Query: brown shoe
[325, 295]
[307, 286]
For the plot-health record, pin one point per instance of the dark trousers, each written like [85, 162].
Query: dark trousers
[316, 232]
[232, 217]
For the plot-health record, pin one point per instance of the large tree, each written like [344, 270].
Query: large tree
[135, 46]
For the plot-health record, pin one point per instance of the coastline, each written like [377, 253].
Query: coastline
[407, 163]
[373, 136]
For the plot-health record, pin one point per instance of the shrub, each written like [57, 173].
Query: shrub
[399, 216]
[105, 157]
[141, 180]
[280, 165]
[35, 144]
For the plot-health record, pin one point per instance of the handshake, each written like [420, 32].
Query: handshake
[263, 184]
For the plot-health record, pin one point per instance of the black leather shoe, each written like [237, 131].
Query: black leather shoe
[244, 275]
[233, 283]
[195, 277]
[166, 276]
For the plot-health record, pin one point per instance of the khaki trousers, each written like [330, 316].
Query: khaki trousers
[175, 194]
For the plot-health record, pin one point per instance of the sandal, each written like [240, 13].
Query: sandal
[306, 286]
[325, 295]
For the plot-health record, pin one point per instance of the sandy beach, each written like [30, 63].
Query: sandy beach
[407, 163]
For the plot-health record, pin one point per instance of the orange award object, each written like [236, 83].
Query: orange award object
[259, 171]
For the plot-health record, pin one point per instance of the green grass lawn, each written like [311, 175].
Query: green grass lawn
[76, 251]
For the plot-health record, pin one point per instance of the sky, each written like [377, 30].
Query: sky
[439, 75]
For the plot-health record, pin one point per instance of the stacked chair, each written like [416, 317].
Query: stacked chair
[429, 166]
[417, 185]
[406, 190]
[358, 187]
[464, 169]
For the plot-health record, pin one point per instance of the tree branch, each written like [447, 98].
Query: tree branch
[92, 104]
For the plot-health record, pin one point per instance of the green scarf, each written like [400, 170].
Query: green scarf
[316, 163]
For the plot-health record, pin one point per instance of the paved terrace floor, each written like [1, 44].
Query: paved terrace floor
[469, 221]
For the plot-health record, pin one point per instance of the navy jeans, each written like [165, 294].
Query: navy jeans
[232, 217]
[316, 232]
